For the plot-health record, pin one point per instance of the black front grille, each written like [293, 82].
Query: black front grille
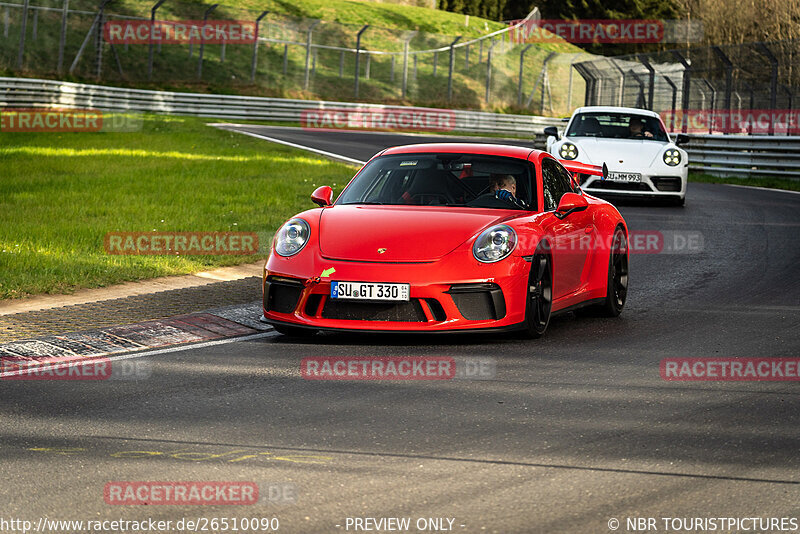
[479, 302]
[403, 312]
[281, 294]
[436, 310]
[667, 183]
[618, 186]
[312, 304]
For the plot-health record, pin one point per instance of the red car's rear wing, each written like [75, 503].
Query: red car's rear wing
[576, 167]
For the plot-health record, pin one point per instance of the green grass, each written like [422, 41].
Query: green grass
[756, 181]
[61, 193]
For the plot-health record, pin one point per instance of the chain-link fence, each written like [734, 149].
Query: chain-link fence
[289, 57]
[716, 89]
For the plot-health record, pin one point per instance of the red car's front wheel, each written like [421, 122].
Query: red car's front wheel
[540, 294]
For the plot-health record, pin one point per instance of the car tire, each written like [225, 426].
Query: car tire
[293, 331]
[539, 299]
[680, 201]
[617, 282]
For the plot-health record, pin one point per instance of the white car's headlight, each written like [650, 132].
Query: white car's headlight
[292, 237]
[672, 157]
[494, 244]
[568, 151]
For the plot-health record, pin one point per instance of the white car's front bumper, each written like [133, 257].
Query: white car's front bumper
[663, 185]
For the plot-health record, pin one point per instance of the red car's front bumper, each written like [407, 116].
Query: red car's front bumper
[449, 294]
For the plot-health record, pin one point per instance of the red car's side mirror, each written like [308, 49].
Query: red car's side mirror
[322, 196]
[570, 203]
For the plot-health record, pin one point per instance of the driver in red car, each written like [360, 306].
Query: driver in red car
[502, 194]
[504, 187]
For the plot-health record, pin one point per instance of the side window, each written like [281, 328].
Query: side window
[566, 176]
[554, 183]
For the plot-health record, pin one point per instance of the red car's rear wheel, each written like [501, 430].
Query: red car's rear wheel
[617, 288]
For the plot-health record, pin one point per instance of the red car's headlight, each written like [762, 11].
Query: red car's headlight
[292, 237]
[494, 243]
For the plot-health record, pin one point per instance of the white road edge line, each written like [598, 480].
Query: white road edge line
[450, 133]
[294, 145]
[145, 353]
[763, 188]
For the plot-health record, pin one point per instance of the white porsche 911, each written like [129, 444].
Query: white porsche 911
[642, 159]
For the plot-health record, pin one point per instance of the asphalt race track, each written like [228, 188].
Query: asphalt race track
[576, 429]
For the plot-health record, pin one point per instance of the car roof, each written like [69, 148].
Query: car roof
[510, 151]
[615, 109]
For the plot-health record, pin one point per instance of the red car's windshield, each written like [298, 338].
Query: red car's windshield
[439, 180]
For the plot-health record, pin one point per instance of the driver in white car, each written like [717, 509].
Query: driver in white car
[636, 129]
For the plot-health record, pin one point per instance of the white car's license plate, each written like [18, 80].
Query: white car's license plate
[625, 176]
[369, 291]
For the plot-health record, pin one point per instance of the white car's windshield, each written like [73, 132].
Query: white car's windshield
[617, 126]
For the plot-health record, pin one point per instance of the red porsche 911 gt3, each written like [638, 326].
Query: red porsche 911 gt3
[448, 238]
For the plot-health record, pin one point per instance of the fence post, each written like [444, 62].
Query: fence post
[405, 61]
[358, 53]
[489, 70]
[728, 74]
[285, 58]
[341, 64]
[435, 62]
[450, 69]
[466, 57]
[62, 39]
[21, 51]
[98, 41]
[789, 95]
[150, 44]
[203, 42]
[369, 63]
[651, 81]
[674, 101]
[314, 62]
[713, 103]
[773, 84]
[687, 75]
[254, 60]
[521, 71]
[391, 74]
[309, 33]
[620, 97]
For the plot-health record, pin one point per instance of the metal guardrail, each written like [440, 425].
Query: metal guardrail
[745, 155]
[29, 92]
[721, 155]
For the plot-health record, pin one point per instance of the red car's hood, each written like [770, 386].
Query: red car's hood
[358, 233]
